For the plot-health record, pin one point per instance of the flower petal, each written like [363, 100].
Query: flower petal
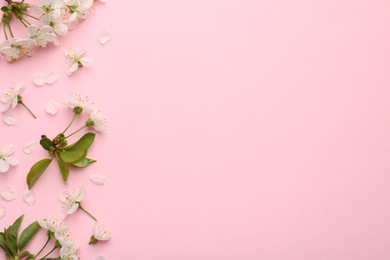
[51, 107]
[30, 147]
[73, 68]
[11, 161]
[51, 77]
[100, 257]
[9, 119]
[97, 179]
[39, 78]
[7, 193]
[29, 197]
[2, 211]
[4, 166]
[104, 37]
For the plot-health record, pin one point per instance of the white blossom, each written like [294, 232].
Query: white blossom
[5, 160]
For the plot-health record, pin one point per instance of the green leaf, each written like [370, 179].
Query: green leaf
[83, 143]
[27, 234]
[63, 168]
[36, 171]
[14, 228]
[77, 151]
[46, 143]
[73, 156]
[84, 162]
[11, 236]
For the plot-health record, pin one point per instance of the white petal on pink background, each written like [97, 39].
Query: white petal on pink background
[7, 193]
[104, 37]
[30, 147]
[39, 79]
[100, 257]
[98, 179]
[51, 107]
[2, 211]
[51, 77]
[42, 78]
[29, 197]
[9, 119]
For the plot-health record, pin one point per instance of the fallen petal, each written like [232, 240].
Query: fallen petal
[104, 37]
[30, 147]
[29, 198]
[2, 211]
[39, 79]
[7, 193]
[98, 179]
[51, 107]
[51, 77]
[9, 119]
[100, 257]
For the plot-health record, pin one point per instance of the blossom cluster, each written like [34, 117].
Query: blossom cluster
[44, 24]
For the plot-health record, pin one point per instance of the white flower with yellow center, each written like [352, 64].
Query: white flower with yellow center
[97, 121]
[10, 98]
[5, 160]
[54, 225]
[42, 36]
[78, 103]
[76, 60]
[100, 233]
[71, 200]
[70, 252]
[15, 49]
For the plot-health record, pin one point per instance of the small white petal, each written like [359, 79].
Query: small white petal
[51, 77]
[30, 147]
[51, 107]
[100, 257]
[39, 78]
[7, 193]
[98, 179]
[29, 197]
[104, 37]
[4, 166]
[9, 119]
[2, 211]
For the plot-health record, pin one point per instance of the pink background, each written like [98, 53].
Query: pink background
[238, 130]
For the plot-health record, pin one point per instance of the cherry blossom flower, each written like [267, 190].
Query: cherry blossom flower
[54, 225]
[76, 60]
[97, 121]
[42, 36]
[11, 97]
[71, 200]
[51, 10]
[70, 252]
[77, 102]
[15, 49]
[79, 9]
[5, 160]
[100, 233]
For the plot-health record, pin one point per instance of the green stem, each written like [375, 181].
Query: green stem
[51, 251]
[28, 109]
[10, 30]
[71, 122]
[75, 132]
[44, 246]
[5, 31]
[89, 214]
[31, 16]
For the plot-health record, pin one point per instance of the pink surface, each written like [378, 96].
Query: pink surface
[238, 129]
